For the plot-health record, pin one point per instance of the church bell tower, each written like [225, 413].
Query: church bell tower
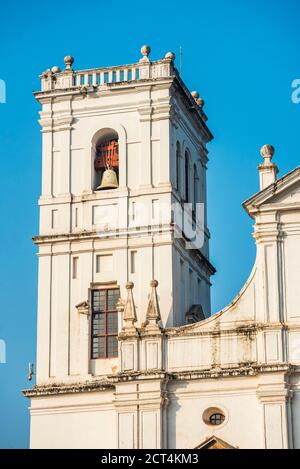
[123, 152]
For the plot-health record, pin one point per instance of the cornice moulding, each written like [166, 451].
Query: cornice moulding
[48, 390]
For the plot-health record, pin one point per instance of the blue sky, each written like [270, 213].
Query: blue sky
[241, 56]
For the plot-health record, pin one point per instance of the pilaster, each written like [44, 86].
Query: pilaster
[141, 412]
[275, 396]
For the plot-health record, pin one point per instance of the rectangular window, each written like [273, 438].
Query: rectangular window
[98, 264]
[76, 217]
[133, 210]
[74, 267]
[133, 262]
[105, 323]
[54, 217]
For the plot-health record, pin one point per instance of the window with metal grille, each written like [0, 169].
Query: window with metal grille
[216, 419]
[105, 323]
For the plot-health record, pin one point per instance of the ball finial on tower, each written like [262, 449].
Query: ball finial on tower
[69, 60]
[200, 102]
[267, 170]
[197, 98]
[170, 56]
[145, 50]
[267, 152]
[55, 69]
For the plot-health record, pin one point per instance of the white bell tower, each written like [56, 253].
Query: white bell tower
[124, 148]
[95, 239]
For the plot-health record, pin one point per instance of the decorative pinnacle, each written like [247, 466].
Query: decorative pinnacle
[154, 284]
[129, 313]
[200, 102]
[195, 95]
[197, 98]
[267, 170]
[145, 50]
[69, 60]
[267, 152]
[55, 69]
[153, 313]
[170, 56]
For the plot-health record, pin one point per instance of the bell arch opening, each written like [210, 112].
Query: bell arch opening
[106, 160]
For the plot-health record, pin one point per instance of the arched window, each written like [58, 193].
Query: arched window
[187, 176]
[196, 188]
[106, 161]
[178, 167]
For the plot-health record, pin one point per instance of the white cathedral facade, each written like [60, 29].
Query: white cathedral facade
[128, 354]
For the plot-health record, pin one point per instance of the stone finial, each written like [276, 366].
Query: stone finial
[267, 170]
[197, 98]
[267, 152]
[170, 56]
[153, 313]
[145, 50]
[47, 73]
[69, 60]
[129, 313]
[55, 69]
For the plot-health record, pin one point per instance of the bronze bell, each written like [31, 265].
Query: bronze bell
[109, 180]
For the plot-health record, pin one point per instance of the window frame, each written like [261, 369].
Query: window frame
[75, 262]
[215, 416]
[216, 419]
[106, 312]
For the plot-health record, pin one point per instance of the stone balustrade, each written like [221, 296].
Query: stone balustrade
[55, 79]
